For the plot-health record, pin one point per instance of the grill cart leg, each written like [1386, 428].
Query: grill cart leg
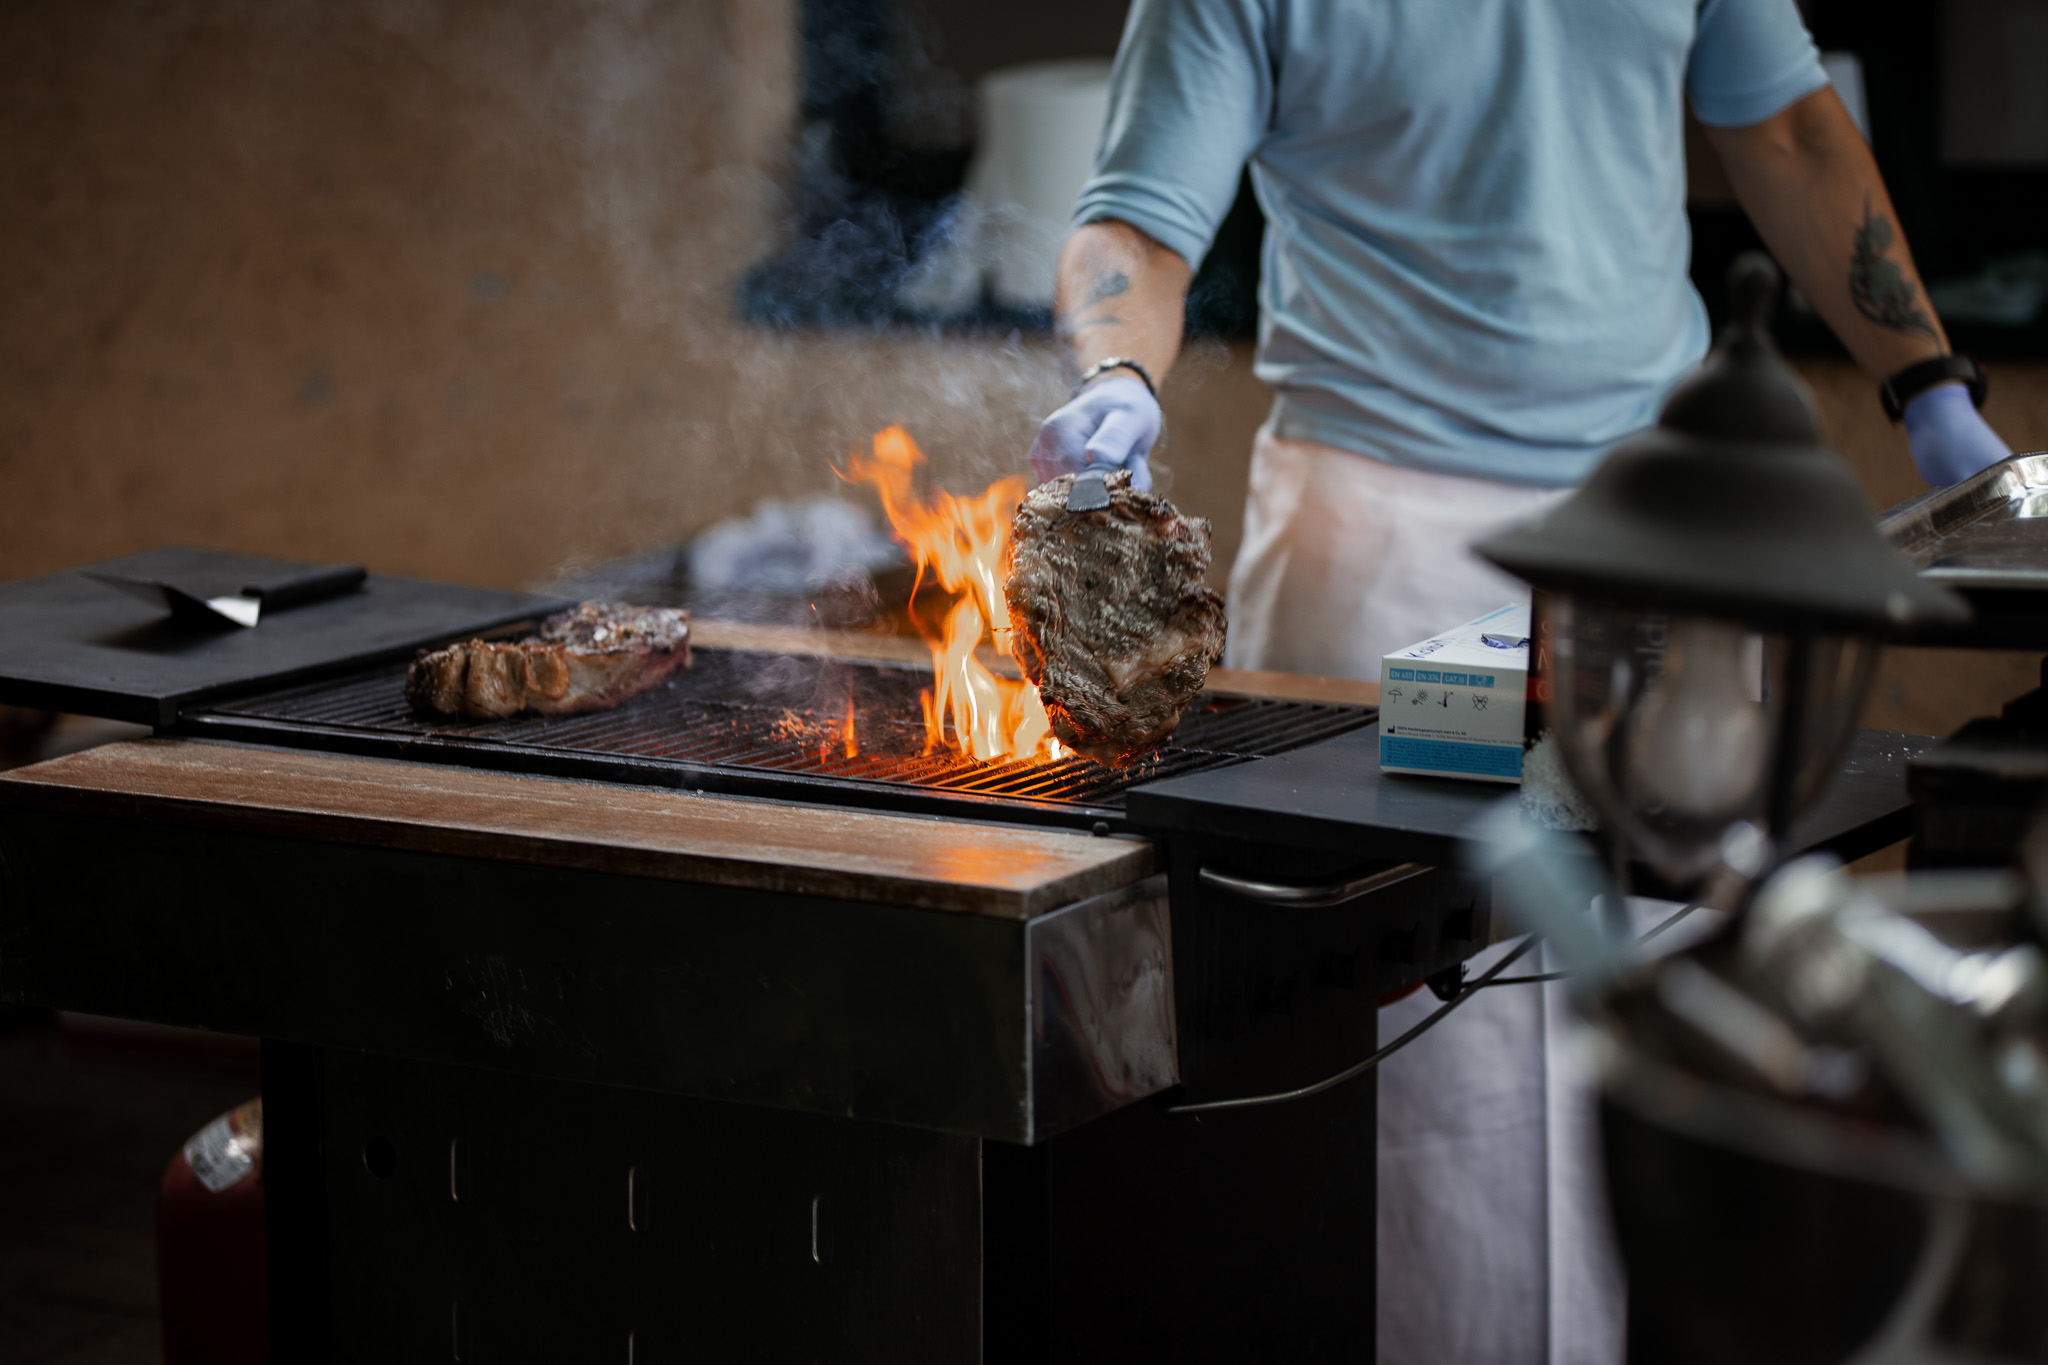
[1243, 1236]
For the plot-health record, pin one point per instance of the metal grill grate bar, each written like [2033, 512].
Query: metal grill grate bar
[782, 714]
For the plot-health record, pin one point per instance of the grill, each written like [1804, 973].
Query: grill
[772, 724]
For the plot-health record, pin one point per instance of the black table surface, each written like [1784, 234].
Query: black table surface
[69, 643]
[1332, 796]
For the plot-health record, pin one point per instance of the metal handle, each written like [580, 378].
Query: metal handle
[330, 580]
[1089, 493]
[1314, 897]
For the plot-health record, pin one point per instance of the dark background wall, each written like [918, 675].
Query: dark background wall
[944, 46]
[976, 38]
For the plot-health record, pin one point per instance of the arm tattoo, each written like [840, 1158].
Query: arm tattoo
[1070, 331]
[1878, 288]
[1070, 328]
[1108, 287]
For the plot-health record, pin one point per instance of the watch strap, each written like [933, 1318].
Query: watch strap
[1903, 387]
[1120, 362]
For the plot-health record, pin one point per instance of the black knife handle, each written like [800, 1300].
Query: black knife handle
[330, 580]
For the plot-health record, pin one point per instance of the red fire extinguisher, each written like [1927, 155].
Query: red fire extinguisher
[209, 1245]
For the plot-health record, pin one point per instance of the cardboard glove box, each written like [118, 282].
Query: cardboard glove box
[1456, 705]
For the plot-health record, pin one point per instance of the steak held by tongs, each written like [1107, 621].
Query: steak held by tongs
[587, 659]
[1112, 618]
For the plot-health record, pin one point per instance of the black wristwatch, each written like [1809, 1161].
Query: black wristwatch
[1914, 380]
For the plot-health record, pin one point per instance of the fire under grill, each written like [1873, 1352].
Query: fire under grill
[772, 724]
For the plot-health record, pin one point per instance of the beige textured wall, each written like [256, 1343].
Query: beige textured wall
[442, 285]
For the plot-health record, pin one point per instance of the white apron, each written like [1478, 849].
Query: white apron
[1493, 1248]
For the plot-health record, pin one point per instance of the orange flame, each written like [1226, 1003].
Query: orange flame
[961, 541]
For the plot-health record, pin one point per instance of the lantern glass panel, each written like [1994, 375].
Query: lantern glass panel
[1671, 723]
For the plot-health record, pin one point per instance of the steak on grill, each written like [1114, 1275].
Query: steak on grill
[587, 659]
[1113, 621]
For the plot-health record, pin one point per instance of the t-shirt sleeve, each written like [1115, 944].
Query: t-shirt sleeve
[1189, 100]
[1750, 58]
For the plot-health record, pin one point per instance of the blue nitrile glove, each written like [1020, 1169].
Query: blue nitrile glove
[1950, 441]
[1113, 421]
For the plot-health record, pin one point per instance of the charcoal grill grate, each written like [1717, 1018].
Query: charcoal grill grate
[766, 717]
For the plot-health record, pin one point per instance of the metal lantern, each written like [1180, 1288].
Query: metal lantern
[1716, 594]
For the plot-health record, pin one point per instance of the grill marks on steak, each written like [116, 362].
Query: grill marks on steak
[1113, 620]
[593, 657]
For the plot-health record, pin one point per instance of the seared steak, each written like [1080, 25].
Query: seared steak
[583, 660]
[1113, 621]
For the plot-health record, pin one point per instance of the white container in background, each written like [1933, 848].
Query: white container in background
[1040, 126]
[1845, 73]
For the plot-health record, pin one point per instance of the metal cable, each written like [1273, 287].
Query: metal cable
[1491, 977]
[1645, 937]
[1281, 1097]
[1669, 920]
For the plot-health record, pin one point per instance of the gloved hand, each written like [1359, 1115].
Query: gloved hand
[1948, 438]
[1113, 421]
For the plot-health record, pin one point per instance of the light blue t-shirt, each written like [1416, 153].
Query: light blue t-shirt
[1476, 244]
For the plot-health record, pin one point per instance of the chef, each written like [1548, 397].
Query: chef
[1474, 283]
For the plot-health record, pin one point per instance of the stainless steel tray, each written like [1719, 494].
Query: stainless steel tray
[1988, 532]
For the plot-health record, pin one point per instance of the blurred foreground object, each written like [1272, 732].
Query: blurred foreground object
[1824, 1136]
[1716, 594]
[1825, 1128]
[210, 1245]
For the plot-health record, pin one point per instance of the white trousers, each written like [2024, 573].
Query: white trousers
[1347, 559]
[1493, 1244]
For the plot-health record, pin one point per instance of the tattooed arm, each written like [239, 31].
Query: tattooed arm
[1120, 294]
[1811, 188]
[1809, 184]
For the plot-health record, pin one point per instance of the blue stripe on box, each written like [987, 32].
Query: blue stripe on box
[1442, 756]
